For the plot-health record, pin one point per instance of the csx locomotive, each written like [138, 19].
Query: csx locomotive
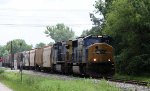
[90, 55]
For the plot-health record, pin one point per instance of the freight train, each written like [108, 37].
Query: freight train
[90, 55]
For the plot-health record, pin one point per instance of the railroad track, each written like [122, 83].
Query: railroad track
[142, 83]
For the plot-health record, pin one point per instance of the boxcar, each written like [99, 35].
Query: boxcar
[27, 60]
[23, 58]
[38, 58]
[16, 60]
[46, 58]
[32, 58]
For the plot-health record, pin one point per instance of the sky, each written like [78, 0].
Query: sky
[27, 19]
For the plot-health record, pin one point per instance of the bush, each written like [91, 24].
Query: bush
[136, 65]
[1, 71]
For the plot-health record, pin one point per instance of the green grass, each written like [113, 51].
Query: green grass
[1, 71]
[37, 83]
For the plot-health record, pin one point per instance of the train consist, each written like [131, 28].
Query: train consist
[91, 55]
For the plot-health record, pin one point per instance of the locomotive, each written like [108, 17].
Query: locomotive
[90, 55]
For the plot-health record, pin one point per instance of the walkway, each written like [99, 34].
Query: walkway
[4, 88]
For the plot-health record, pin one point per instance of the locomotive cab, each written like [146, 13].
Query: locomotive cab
[99, 55]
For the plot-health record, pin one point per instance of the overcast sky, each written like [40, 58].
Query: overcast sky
[27, 19]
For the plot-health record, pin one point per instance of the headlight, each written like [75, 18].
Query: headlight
[94, 59]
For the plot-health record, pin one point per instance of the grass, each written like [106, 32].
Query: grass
[37, 83]
[1, 70]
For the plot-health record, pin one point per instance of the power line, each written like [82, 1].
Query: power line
[40, 25]
[66, 10]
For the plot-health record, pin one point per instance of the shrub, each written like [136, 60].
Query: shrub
[1, 71]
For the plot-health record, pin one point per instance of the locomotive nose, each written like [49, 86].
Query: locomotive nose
[100, 58]
[100, 52]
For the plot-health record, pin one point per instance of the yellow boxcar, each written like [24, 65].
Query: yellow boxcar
[39, 57]
[32, 58]
[46, 57]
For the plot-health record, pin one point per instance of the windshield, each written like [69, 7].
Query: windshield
[91, 41]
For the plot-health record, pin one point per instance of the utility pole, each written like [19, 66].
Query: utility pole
[21, 61]
[12, 58]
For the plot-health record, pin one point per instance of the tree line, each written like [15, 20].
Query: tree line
[128, 22]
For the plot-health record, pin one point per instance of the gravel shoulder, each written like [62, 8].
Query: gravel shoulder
[129, 87]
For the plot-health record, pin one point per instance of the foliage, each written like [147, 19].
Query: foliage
[1, 70]
[51, 43]
[60, 32]
[101, 8]
[38, 83]
[3, 51]
[40, 45]
[18, 45]
[93, 31]
[128, 22]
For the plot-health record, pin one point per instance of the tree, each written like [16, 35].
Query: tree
[93, 31]
[85, 33]
[40, 45]
[60, 32]
[3, 51]
[102, 8]
[51, 43]
[18, 45]
[127, 21]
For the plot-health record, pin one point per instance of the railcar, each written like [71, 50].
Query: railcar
[16, 60]
[68, 57]
[20, 59]
[32, 59]
[5, 61]
[9, 62]
[47, 62]
[27, 60]
[38, 58]
[58, 57]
